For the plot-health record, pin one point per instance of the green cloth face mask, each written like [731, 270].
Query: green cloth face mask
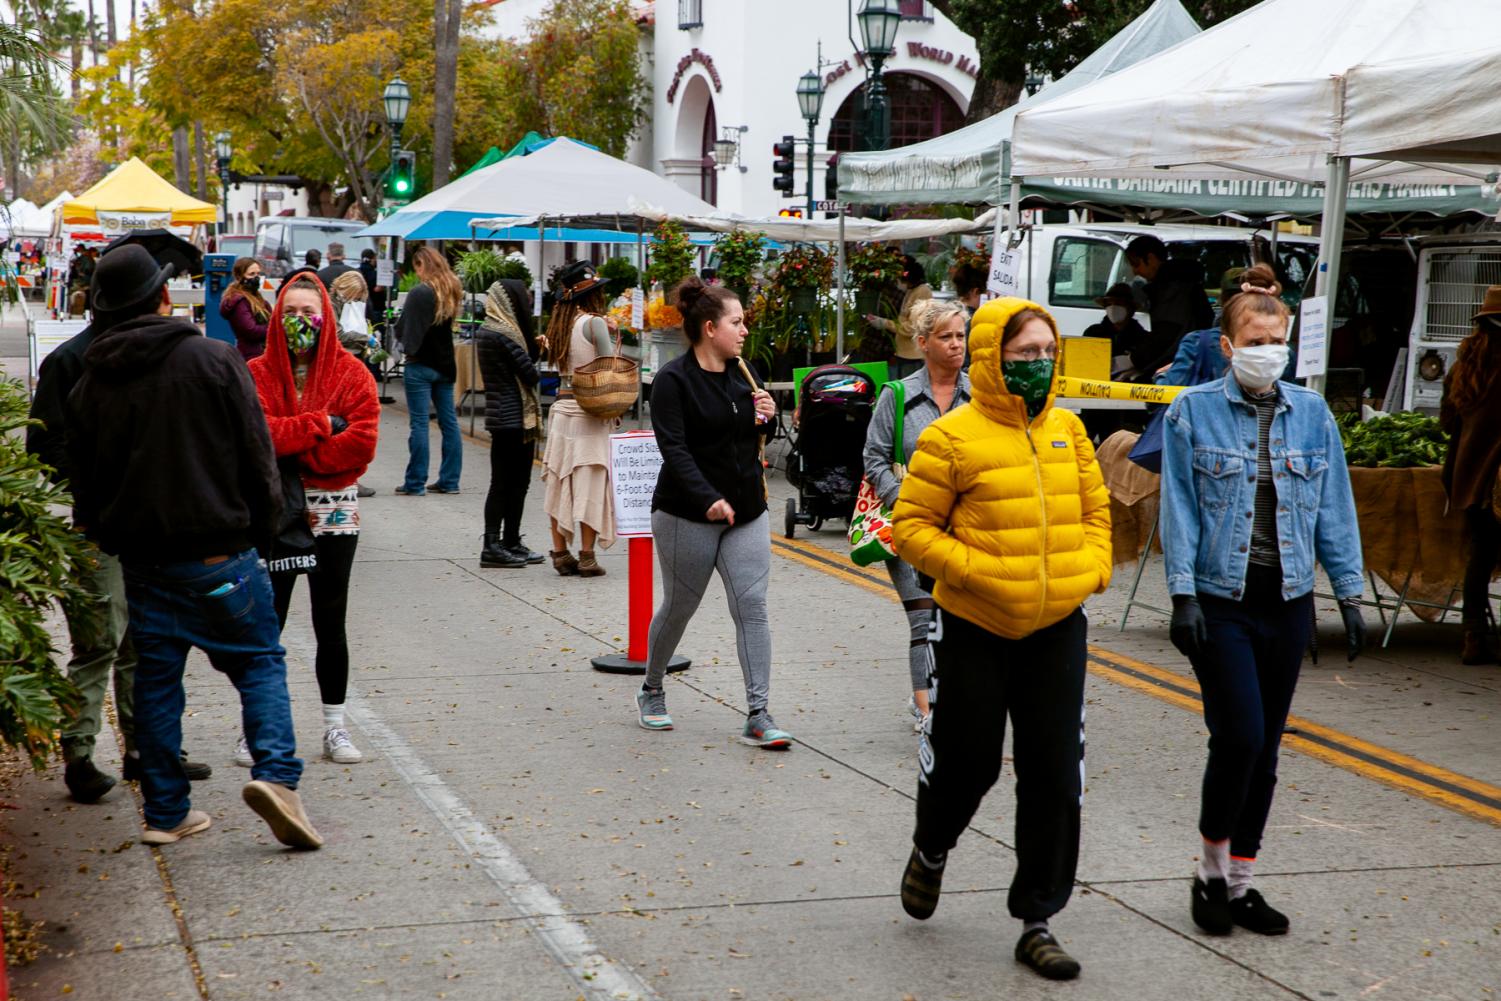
[1030, 381]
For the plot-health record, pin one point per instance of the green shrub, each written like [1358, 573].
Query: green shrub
[479, 269]
[672, 256]
[620, 275]
[40, 558]
[512, 268]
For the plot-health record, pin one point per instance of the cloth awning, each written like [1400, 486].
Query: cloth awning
[133, 196]
[563, 179]
[1408, 88]
[968, 165]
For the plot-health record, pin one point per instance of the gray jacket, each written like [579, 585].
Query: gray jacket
[922, 410]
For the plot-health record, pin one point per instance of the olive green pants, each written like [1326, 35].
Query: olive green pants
[98, 627]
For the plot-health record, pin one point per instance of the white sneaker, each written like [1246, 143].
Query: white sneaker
[338, 748]
[243, 757]
[919, 719]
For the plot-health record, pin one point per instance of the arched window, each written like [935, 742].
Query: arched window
[708, 185]
[920, 110]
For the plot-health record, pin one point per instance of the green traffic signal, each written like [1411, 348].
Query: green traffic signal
[401, 180]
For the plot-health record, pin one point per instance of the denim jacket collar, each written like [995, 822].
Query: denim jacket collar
[1236, 393]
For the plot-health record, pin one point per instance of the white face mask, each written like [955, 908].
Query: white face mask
[1115, 314]
[1260, 366]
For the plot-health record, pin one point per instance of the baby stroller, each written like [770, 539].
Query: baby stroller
[826, 463]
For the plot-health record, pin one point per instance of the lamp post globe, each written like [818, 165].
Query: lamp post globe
[879, 20]
[725, 151]
[398, 99]
[223, 151]
[810, 95]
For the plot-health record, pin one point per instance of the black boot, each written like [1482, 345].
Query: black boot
[519, 547]
[495, 555]
[196, 771]
[85, 782]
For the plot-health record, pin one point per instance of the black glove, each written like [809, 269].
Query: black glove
[336, 423]
[1188, 631]
[1354, 629]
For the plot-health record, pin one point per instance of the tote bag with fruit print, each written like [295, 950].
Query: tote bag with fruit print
[870, 526]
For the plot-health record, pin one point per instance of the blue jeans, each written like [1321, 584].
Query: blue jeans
[424, 384]
[177, 606]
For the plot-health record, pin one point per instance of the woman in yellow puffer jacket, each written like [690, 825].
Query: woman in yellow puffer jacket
[1005, 508]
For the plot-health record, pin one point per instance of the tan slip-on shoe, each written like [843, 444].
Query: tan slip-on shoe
[195, 821]
[281, 808]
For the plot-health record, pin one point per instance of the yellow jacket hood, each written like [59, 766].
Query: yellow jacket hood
[988, 390]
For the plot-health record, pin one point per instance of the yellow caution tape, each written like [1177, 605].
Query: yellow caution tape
[1096, 389]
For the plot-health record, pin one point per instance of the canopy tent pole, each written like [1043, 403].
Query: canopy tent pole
[1014, 207]
[1331, 243]
[541, 266]
[839, 306]
[641, 251]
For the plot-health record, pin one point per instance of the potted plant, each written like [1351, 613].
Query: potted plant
[740, 255]
[620, 276]
[672, 257]
[872, 267]
[803, 271]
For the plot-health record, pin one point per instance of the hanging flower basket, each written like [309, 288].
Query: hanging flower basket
[804, 300]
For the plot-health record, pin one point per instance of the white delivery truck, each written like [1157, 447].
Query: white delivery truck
[1453, 274]
[1067, 267]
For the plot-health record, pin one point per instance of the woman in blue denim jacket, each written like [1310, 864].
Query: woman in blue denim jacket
[1254, 490]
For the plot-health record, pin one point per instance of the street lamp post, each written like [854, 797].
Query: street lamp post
[398, 98]
[879, 20]
[223, 150]
[810, 102]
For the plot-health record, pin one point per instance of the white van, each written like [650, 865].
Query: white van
[1067, 267]
[1453, 274]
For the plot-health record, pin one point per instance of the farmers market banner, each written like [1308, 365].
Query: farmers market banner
[1259, 196]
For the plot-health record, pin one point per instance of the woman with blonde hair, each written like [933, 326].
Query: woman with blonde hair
[425, 331]
[247, 312]
[1471, 413]
[929, 393]
[576, 459]
[348, 289]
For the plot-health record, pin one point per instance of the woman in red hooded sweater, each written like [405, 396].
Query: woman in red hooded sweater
[322, 407]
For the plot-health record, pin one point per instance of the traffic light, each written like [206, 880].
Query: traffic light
[402, 180]
[782, 166]
[831, 180]
[791, 213]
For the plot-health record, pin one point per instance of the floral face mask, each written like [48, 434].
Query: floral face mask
[302, 332]
[1030, 381]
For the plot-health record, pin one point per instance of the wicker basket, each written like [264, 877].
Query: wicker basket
[607, 386]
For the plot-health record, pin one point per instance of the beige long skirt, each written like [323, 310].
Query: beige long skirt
[576, 472]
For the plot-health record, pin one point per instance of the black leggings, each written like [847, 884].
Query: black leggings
[328, 589]
[1485, 549]
[510, 477]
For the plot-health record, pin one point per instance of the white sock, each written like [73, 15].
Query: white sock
[1029, 925]
[1214, 862]
[1240, 876]
[333, 716]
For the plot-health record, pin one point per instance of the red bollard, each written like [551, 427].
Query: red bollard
[639, 618]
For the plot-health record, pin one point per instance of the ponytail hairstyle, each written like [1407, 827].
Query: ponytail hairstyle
[931, 314]
[701, 304]
[1259, 297]
[1475, 363]
[434, 271]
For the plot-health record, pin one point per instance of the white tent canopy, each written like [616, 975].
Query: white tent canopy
[966, 165]
[1342, 91]
[785, 230]
[22, 218]
[563, 179]
[1273, 93]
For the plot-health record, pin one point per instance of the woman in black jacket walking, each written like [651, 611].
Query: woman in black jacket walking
[709, 508]
[513, 416]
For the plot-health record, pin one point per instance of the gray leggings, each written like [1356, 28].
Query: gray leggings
[688, 552]
[919, 607]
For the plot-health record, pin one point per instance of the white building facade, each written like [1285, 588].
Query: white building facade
[720, 65]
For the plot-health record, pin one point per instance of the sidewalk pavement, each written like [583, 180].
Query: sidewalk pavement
[514, 834]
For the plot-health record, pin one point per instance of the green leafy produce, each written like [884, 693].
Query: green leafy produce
[1397, 441]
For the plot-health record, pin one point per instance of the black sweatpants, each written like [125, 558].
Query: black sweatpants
[328, 589]
[1485, 549]
[978, 679]
[510, 477]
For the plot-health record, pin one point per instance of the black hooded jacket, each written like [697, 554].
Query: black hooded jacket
[169, 453]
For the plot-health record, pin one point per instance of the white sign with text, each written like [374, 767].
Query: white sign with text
[1313, 323]
[385, 273]
[634, 465]
[1005, 264]
[638, 308]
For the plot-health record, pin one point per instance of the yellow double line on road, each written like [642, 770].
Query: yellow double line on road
[1457, 792]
